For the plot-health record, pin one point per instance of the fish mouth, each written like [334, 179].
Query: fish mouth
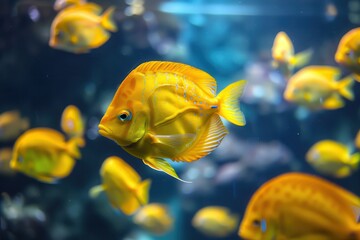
[104, 131]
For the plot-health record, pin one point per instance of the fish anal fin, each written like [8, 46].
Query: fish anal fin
[206, 143]
[160, 164]
[202, 79]
[333, 102]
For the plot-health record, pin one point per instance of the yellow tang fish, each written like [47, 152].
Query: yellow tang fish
[79, 28]
[215, 221]
[316, 87]
[332, 158]
[61, 4]
[297, 206]
[5, 158]
[284, 57]
[154, 218]
[170, 110]
[122, 185]
[11, 125]
[348, 52]
[72, 122]
[43, 153]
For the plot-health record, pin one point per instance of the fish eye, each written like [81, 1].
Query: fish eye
[60, 35]
[256, 223]
[20, 159]
[124, 116]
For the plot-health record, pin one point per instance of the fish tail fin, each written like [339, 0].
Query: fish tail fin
[73, 146]
[107, 20]
[356, 76]
[355, 160]
[345, 87]
[160, 164]
[142, 191]
[229, 107]
[302, 58]
[96, 190]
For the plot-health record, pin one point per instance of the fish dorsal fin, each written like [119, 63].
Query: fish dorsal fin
[202, 79]
[206, 143]
[329, 72]
[87, 7]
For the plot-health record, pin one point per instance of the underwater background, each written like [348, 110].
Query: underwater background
[230, 40]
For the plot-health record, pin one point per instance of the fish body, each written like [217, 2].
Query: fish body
[316, 87]
[296, 206]
[332, 158]
[284, 57]
[169, 110]
[215, 221]
[11, 125]
[357, 140]
[71, 122]
[80, 28]
[154, 218]
[43, 153]
[5, 158]
[348, 52]
[122, 185]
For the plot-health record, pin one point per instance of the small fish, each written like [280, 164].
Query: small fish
[297, 206]
[61, 4]
[215, 221]
[122, 185]
[71, 122]
[154, 218]
[316, 87]
[170, 110]
[284, 57]
[11, 125]
[348, 52]
[332, 158]
[80, 28]
[5, 157]
[357, 140]
[43, 153]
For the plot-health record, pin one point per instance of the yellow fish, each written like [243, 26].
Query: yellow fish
[122, 185]
[332, 158]
[5, 157]
[348, 52]
[357, 140]
[284, 57]
[316, 87]
[154, 218]
[80, 28]
[296, 206]
[72, 122]
[170, 110]
[11, 125]
[215, 221]
[43, 153]
[61, 4]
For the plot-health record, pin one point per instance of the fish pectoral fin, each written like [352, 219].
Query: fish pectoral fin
[142, 191]
[174, 141]
[215, 131]
[334, 102]
[96, 190]
[343, 172]
[160, 164]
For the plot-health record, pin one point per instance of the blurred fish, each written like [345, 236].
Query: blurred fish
[11, 125]
[71, 122]
[170, 110]
[122, 185]
[316, 87]
[80, 28]
[284, 57]
[43, 153]
[61, 4]
[348, 52]
[5, 157]
[300, 206]
[357, 140]
[332, 158]
[154, 218]
[215, 221]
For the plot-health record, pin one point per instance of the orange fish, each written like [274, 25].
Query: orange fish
[170, 110]
[71, 122]
[297, 206]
